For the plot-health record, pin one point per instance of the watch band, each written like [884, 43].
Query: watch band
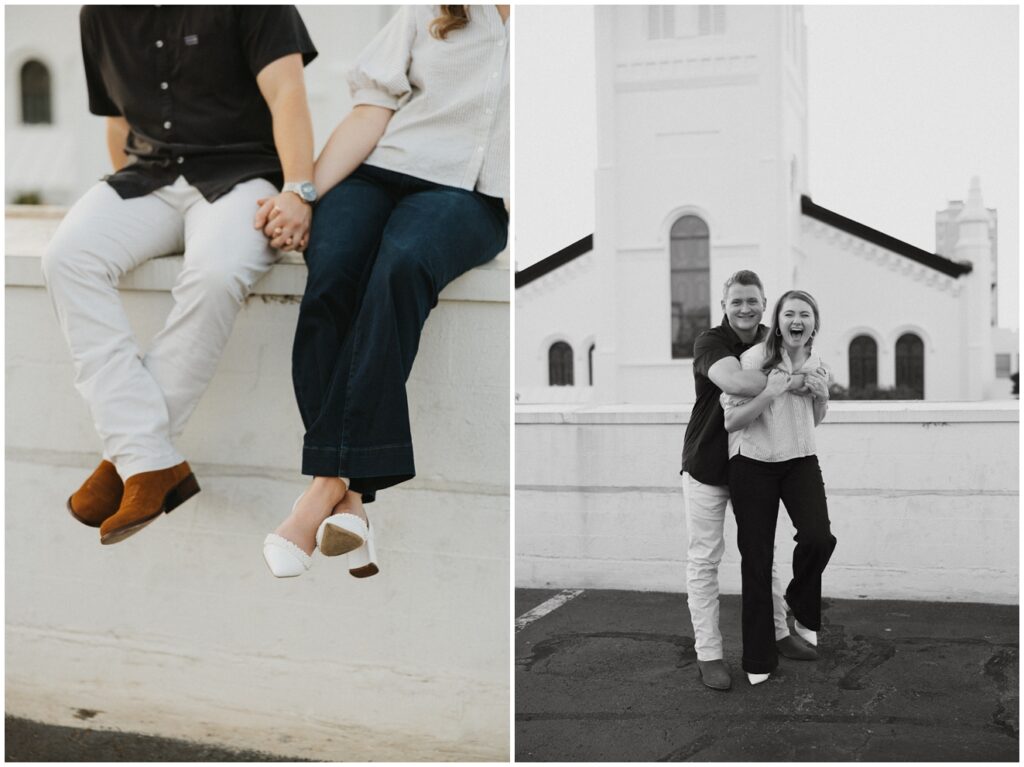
[304, 189]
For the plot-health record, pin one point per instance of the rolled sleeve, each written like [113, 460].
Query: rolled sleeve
[708, 350]
[271, 32]
[100, 102]
[380, 76]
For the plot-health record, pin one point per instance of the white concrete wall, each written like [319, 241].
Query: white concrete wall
[923, 499]
[181, 630]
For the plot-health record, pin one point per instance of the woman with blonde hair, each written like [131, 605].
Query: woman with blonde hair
[772, 458]
[411, 187]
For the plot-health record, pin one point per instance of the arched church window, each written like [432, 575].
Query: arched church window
[910, 364]
[560, 364]
[590, 363]
[690, 283]
[863, 362]
[36, 108]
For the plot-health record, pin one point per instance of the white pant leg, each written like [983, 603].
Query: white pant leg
[101, 238]
[224, 258]
[705, 522]
[778, 600]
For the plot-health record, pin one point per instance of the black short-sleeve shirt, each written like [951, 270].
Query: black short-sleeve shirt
[706, 445]
[184, 77]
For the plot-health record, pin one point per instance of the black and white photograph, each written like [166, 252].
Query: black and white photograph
[766, 383]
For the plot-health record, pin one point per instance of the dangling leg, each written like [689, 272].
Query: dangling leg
[100, 239]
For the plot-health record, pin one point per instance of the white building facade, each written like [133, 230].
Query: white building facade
[702, 171]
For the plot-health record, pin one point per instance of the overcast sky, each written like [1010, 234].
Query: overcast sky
[889, 145]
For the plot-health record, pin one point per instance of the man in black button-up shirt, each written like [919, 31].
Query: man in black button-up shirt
[206, 120]
[716, 368]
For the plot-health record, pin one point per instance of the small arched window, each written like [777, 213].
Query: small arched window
[560, 364]
[863, 362]
[691, 284]
[910, 364]
[36, 106]
[590, 363]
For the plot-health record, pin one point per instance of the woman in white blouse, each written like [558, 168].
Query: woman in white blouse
[772, 457]
[411, 187]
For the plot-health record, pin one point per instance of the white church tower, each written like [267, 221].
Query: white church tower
[702, 117]
[974, 246]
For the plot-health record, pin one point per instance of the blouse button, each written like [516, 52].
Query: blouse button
[163, 86]
[167, 125]
[181, 160]
[159, 43]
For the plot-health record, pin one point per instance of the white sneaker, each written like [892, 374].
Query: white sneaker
[757, 678]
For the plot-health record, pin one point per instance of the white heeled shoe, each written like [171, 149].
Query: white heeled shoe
[757, 678]
[362, 563]
[284, 558]
[341, 533]
[808, 635]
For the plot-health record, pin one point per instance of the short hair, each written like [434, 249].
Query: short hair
[743, 277]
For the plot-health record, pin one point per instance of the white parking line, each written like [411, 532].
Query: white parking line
[546, 607]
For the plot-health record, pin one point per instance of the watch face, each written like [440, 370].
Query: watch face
[308, 191]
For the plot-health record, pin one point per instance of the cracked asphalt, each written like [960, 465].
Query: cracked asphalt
[612, 676]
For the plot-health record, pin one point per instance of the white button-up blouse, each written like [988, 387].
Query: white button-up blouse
[451, 98]
[785, 429]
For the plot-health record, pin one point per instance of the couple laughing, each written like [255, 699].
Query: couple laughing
[760, 394]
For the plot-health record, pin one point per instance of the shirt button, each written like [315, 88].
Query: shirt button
[167, 125]
[163, 86]
[181, 160]
[159, 43]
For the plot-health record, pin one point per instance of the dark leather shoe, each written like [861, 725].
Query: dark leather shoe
[98, 497]
[146, 497]
[796, 648]
[714, 674]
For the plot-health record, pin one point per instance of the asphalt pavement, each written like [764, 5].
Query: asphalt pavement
[28, 741]
[612, 676]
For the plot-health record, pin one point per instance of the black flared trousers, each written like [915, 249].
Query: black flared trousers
[756, 487]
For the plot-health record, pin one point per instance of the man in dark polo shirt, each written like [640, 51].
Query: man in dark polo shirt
[716, 368]
[210, 137]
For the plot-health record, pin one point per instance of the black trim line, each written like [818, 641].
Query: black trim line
[857, 229]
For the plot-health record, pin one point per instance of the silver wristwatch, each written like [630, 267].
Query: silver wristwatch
[304, 189]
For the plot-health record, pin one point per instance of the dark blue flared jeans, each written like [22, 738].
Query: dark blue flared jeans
[382, 247]
[756, 487]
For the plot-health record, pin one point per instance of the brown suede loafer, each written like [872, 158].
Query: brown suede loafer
[146, 497]
[99, 496]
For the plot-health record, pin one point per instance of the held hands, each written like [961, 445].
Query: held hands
[284, 219]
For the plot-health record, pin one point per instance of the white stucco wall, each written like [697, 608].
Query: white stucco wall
[923, 499]
[181, 630]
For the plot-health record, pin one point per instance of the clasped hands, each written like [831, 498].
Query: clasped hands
[813, 384]
[284, 219]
